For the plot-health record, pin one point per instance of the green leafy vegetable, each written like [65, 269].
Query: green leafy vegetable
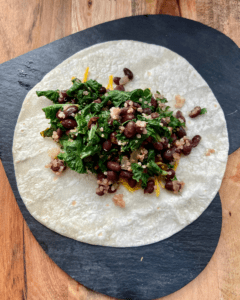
[203, 111]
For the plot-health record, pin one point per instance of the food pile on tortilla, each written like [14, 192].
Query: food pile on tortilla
[88, 130]
[130, 137]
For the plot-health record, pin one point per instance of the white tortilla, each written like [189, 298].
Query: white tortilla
[69, 205]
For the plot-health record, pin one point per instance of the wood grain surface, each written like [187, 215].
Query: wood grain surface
[26, 271]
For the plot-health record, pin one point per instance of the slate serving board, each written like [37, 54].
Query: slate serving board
[167, 265]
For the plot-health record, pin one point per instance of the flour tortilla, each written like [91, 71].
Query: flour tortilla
[69, 205]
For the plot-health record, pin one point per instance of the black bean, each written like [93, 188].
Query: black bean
[107, 145]
[173, 137]
[171, 174]
[100, 193]
[110, 191]
[116, 80]
[97, 101]
[175, 149]
[195, 112]
[140, 130]
[130, 130]
[62, 113]
[113, 138]
[154, 102]
[165, 142]
[132, 182]
[154, 115]
[102, 90]
[69, 123]
[124, 111]
[71, 110]
[59, 164]
[164, 123]
[113, 166]
[187, 149]
[127, 117]
[59, 133]
[110, 122]
[169, 185]
[158, 146]
[100, 176]
[125, 174]
[168, 155]
[179, 115]
[150, 187]
[158, 158]
[196, 140]
[136, 105]
[181, 132]
[112, 176]
[147, 111]
[63, 97]
[128, 73]
[119, 88]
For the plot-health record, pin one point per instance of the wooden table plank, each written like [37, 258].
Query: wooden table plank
[26, 271]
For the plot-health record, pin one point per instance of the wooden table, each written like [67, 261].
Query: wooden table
[26, 271]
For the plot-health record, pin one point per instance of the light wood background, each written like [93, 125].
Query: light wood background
[26, 272]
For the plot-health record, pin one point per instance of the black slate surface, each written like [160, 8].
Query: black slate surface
[167, 265]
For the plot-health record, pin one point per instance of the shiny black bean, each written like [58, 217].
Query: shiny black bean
[107, 145]
[165, 124]
[113, 138]
[112, 176]
[63, 97]
[158, 146]
[158, 158]
[57, 165]
[132, 183]
[181, 132]
[120, 88]
[116, 80]
[100, 193]
[127, 117]
[179, 115]
[136, 105]
[102, 90]
[195, 112]
[111, 122]
[124, 111]
[147, 111]
[71, 110]
[140, 130]
[169, 185]
[196, 140]
[150, 187]
[130, 130]
[154, 102]
[171, 174]
[165, 142]
[154, 115]
[173, 137]
[59, 133]
[113, 166]
[187, 149]
[110, 191]
[69, 123]
[168, 155]
[128, 73]
[62, 114]
[100, 176]
[125, 174]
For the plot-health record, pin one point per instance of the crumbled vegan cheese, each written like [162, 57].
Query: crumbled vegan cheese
[53, 152]
[118, 200]
[114, 112]
[61, 114]
[179, 101]
[85, 93]
[209, 152]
